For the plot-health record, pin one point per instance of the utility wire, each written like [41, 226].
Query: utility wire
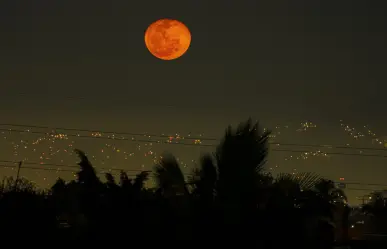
[186, 144]
[199, 145]
[125, 170]
[149, 135]
[72, 171]
[62, 165]
[158, 142]
[106, 132]
[132, 175]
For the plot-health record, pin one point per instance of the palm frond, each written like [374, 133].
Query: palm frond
[125, 182]
[305, 180]
[139, 181]
[168, 174]
[242, 153]
[110, 178]
[87, 173]
[203, 180]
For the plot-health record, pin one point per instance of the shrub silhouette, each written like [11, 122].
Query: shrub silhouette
[229, 200]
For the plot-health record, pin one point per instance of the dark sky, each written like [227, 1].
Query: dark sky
[84, 64]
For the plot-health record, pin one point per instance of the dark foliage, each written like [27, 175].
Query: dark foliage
[229, 201]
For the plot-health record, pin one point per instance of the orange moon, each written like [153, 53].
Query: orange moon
[167, 39]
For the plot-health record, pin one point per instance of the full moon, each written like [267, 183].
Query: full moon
[167, 39]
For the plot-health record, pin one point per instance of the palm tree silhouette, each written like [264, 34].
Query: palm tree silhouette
[171, 189]
[204, 180]
[87, 174]
[240, 159]
[169, 177]
[376, 209]
[139, 181]
[230, 198]
[125, 181]
[320, 203]
[110, 179]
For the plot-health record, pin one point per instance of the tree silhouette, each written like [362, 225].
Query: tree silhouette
[329, 198]
[18, 185]
[110, 181]
[139, 181]
[204, 180]
[125, 182]
[87, 174]
[24, 209]
[377, 204]
[376, 210]
[240, 158]
[169, 177]
[231, 198]
[176, 206]
[203, 184]
[89, 191]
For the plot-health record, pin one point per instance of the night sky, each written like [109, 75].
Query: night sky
[83, 64]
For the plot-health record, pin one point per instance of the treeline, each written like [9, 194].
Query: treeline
[229, 201]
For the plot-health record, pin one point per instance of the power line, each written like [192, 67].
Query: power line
[364, 189]
[101, 171]
[193, 138]
[98, 137]
[158, 142]
[64, 166]
[101, 131]
[365, 184]
[120, 169]
[168, 136]
[132, 175]
[199, 145]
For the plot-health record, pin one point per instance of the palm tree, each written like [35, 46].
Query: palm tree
[204, 180]
[89, 190]
[169, 177]
[125, 181]
[328, 205]
[139, 181]
[203, 185]
[296, 188]
[237, 169]
[240, 160]
[174, 197]
[58, 186]
[328, 190]
[110, 181]
[377, 211]
[331, 199]
[59, 193]
[87, 174]
[377, 205]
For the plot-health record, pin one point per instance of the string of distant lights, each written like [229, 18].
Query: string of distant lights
[355, 134]
[213, 145]
[175, 140]
[98, 134]
[303, 153]
[53, 136]
[304, 126]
